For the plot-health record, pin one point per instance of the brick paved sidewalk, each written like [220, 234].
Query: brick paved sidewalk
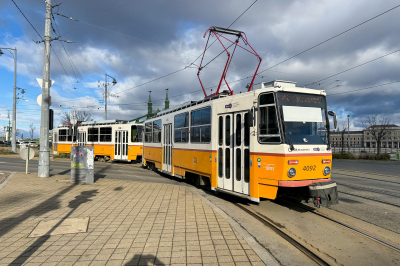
[131, 223]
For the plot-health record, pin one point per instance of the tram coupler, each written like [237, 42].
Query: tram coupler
[324, 194]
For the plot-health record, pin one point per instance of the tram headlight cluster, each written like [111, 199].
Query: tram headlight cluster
[327, 170]
[291, 172]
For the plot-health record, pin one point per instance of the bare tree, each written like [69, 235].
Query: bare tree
[80, 116]
[378, 128]
[32, 129]
[343, 131]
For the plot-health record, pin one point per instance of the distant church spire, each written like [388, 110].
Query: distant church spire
[166, 101]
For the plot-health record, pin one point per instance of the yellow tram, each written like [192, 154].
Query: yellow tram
[258, 144]
[112, 139]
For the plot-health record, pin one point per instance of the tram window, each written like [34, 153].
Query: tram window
[93, 134]
[268, 122]
[267, 99]
[246, 165]
[148, 132]
[220, 161]
[238, 164]
[62, 135]
[105, 134]
[220, 130]
[195, 134]
[228, 130]
[200, 126]
[157, 131]
[246, 130]
[205, 134]
[238, 130]
[185, 135]
[181, 124]
[136, 133]
[227, 163]
[178, 135]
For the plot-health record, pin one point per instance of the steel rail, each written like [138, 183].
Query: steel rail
[285, 236]
[387, 181]
[368, 198]
[377, 239]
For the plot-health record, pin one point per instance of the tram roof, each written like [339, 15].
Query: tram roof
[277, 85]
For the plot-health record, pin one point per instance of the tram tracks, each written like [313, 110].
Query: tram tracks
[311, 252]
[292, 240]
[312, 210]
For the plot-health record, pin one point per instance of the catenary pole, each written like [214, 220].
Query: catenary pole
[14, 116]
[44, 153]
[348, 132]
[105, 98]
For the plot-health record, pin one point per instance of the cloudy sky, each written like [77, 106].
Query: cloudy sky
[138, 41]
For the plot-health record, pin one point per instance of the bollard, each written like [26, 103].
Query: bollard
[82, 164]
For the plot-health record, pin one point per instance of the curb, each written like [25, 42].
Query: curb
[6, 181]
[264, 254]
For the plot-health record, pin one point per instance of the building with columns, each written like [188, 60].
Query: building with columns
[364, 139]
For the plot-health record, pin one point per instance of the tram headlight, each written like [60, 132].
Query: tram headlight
[327, 170]
[292, 172]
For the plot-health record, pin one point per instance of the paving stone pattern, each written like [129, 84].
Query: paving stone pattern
[131, 223]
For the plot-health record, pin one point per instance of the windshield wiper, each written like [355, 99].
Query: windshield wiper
[290, 143]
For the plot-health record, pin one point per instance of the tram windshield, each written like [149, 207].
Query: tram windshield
[304, 118]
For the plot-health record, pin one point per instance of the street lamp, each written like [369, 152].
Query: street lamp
[14, 115]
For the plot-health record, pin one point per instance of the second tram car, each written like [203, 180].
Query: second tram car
[259, 144]
[112, 139]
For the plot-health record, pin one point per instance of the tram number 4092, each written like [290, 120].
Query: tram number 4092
[309, 168]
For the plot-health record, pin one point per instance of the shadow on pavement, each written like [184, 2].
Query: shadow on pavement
[73, 204]
[144, 259]
[50, 204]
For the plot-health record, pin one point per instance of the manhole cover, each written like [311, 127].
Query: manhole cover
[61, 227]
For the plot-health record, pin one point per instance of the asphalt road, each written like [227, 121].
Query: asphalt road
[378, 167]
[122, 171]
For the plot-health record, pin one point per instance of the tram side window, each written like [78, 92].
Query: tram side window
[62, 135]
[181, 125]
[93, 134]
[157, 131]
[105, 134]
[136, 133]
[148, 132]
[200, 125]
[268, 121]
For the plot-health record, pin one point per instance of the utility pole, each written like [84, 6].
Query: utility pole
[348, 132]
[105, 98]
[44, 153]
[14, 115]
[9, 127]
[106, 92]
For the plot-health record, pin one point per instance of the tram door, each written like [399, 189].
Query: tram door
[82, 138]
[225, 152]
[241, 153]
[167, 147]
[121, 145]
[234, 152]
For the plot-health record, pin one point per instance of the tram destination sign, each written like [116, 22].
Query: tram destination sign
[301, 99]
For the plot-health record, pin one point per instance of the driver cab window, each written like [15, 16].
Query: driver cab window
[268, 129]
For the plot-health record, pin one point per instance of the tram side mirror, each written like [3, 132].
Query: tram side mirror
[332, 113]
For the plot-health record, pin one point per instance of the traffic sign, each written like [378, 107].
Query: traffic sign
[40, 81]
[39, 100]
[27, 153]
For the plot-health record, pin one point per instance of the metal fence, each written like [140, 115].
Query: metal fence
[365, 150]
